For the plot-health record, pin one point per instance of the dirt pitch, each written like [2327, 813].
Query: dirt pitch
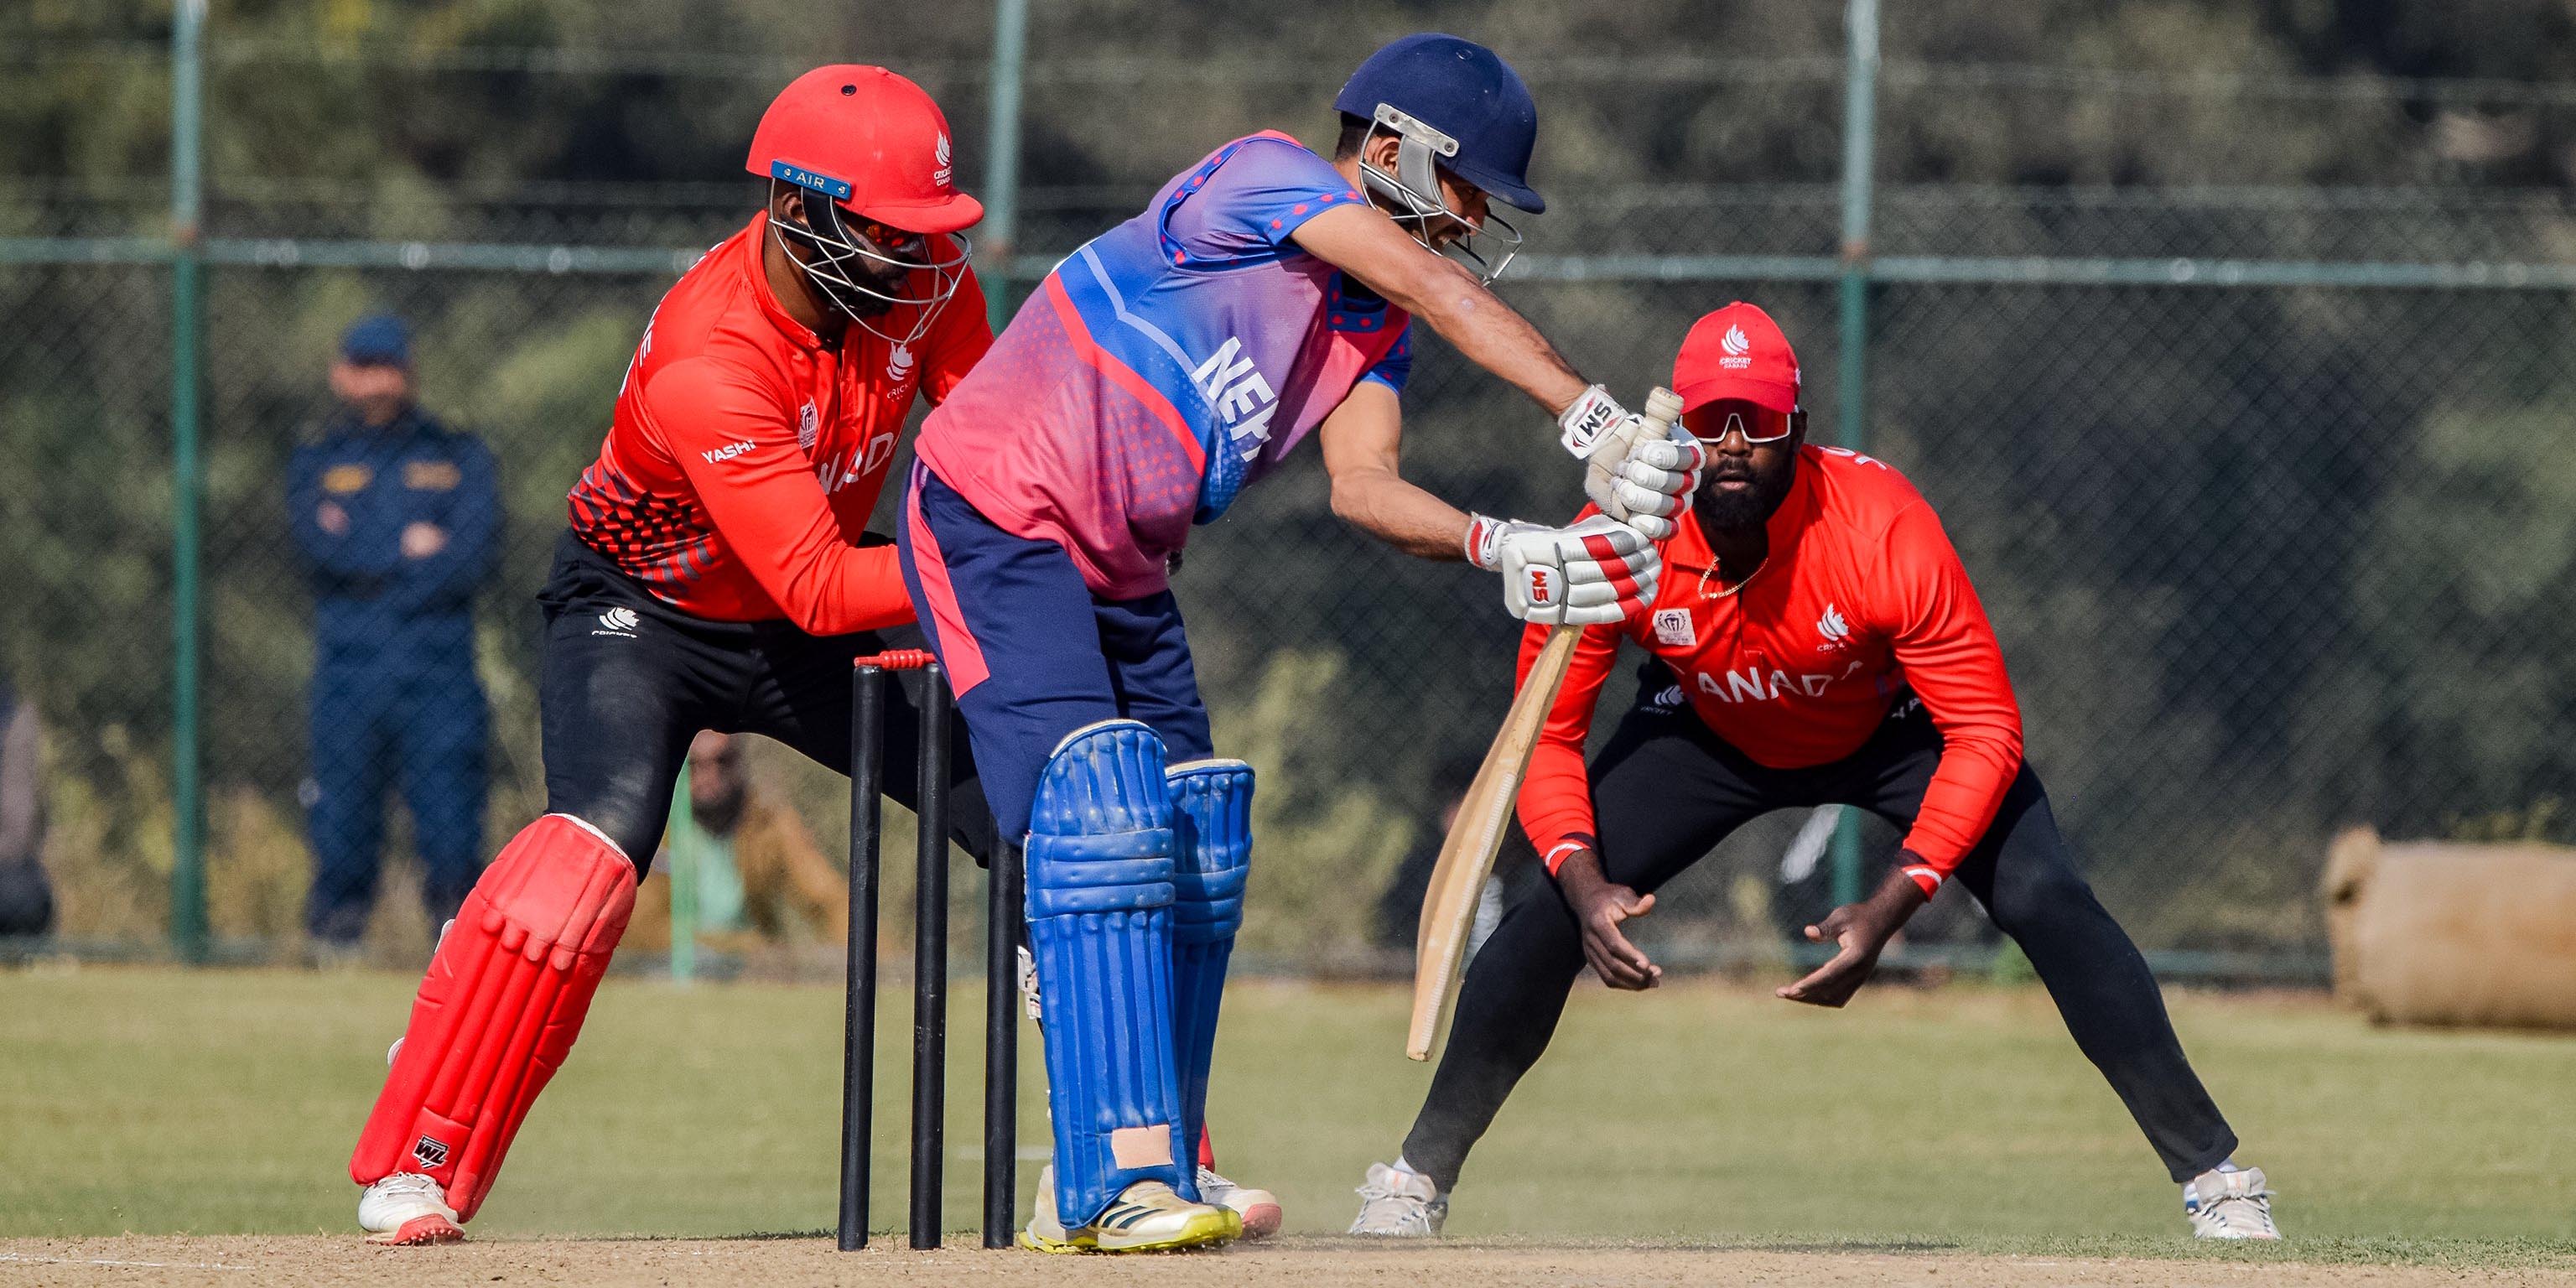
[1327, 1263]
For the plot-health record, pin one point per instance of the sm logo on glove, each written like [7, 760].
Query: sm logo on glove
[1542, 584]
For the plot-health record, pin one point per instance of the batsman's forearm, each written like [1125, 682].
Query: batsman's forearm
[1492, 335]
[1401, 515]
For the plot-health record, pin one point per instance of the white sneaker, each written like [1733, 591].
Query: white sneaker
[2229, 1205]
[1397, 1204]
[408, 1209]
[1147, 1216]
[1258, 1208]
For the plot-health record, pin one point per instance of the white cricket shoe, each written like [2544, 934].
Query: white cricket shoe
[1399, 1204]
[2230, 1205]
[408, 1209]
[1147, 1216]
[1258, 1208]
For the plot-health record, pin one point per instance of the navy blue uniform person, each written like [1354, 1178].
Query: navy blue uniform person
[396, 518]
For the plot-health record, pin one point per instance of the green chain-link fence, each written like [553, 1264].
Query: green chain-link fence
[2244, 396]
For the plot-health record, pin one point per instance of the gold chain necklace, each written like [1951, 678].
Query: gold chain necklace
[1705, 574]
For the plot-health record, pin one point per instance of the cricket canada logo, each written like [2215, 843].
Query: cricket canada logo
[430, 1151]
[941, 175]
[1673, 626]
[899, 366]
[1836, 631]
[1738, 349]
[620, 622]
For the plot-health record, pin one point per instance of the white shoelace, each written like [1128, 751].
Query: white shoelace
[2243, 1209]
[2247, 1214]
[1384, 1209]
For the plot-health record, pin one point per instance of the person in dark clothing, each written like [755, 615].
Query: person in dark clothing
[26, 896]
[396, 517]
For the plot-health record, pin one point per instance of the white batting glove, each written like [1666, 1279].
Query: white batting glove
[1586, 428]
[1631, 475]
[1651, 483]
[1592, 574]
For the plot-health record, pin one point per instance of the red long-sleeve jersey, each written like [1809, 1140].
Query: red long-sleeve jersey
[1861, 596]
[745, 452]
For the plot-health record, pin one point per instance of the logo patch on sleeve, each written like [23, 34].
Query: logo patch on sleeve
[1673, 626]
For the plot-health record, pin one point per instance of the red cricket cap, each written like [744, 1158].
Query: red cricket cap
[1737, 352]
[872, 141]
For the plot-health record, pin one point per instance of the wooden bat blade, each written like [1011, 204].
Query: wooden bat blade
[1467, 855]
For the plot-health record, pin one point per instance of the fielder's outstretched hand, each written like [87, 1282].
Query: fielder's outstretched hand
[1599, 908]
[1861, 931]
[1595, 573]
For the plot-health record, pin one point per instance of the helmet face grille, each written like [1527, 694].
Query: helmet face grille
[1412, 195]
[853, 273]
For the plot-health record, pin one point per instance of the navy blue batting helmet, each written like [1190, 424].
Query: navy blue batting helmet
[1462, 102]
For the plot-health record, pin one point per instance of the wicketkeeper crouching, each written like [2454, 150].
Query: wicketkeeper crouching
[717, 574]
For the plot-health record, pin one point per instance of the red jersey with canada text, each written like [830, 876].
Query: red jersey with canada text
[746, 452]
[1861, 598]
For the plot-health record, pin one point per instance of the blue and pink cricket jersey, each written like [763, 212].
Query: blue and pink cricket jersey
[1165, 365]
[1155, 373]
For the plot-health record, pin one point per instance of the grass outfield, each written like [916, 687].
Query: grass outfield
[224, 1103]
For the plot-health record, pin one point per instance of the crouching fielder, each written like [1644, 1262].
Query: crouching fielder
[1265, 294]
[1816, 641]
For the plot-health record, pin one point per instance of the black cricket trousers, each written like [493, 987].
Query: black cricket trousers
[1666, 790]
[628, 681]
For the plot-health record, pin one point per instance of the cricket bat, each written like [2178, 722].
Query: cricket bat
[1467, 856]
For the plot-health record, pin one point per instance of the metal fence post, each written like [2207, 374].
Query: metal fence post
[1002, 156]
[187, 482]
[1851, 376]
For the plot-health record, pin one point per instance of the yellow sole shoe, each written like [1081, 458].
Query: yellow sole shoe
[1207, 1227]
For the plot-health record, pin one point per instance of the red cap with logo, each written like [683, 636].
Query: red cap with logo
[1737, 352]
[871, 140]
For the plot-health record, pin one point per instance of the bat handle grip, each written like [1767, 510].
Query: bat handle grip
[1663, 407]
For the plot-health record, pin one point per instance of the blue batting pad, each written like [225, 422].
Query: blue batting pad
[1100, 925]
[1212, 822]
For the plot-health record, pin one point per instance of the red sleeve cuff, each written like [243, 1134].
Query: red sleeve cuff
[1926, 877]
[1556, 855]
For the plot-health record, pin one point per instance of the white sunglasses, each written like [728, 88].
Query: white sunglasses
[1736, 423]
